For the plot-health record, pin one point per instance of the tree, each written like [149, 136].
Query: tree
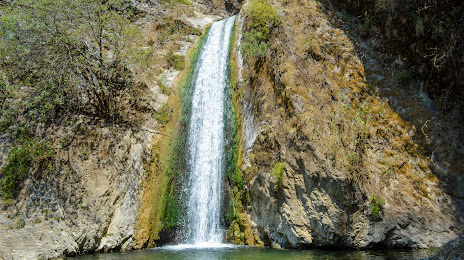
[64, 55]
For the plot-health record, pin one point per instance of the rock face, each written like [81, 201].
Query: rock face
[92, 199]
[451, 250]
[356, 174]
[91, 205]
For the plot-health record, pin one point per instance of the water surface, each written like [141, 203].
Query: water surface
[242, 253]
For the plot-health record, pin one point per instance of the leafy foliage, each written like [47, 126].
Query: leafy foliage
[35, 155]
[64, 55]
[278, 173]
[13, 173]
[262, 18]
[376, 205]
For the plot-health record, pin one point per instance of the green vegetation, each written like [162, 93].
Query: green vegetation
[56, 66]
[20, 222]
[71, 62]
[20, 160]
[278, 171]
[174, 2]
[177, 61]
[13, 173]
[165, 90]
[164, 115]
[238, 176]
[376, 205]
[263, 18]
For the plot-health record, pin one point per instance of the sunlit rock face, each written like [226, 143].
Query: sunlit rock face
[329, 104]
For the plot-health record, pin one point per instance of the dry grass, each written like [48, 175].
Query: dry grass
[315, 65]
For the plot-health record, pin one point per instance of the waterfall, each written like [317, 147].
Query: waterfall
[206, 137]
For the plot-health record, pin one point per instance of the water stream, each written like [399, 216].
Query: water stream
[206, 138]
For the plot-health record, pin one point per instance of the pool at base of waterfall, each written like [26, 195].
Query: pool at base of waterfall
[232, 252]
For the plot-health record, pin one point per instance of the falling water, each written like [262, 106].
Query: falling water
[206, 137]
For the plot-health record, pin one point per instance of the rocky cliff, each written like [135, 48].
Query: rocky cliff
[338, 145]
[86, 193]
[334, 142]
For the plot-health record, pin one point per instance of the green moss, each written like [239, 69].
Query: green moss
[263, 16]
[174, 2]
[164, 115]
[238, 178]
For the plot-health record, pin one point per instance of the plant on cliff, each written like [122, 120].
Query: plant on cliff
[376, 205]
[177, 61]
[13, 173]
[278, 173]
[262, 18]
[64, 56]
[21, 159]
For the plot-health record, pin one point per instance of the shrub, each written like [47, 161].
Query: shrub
[262, 18]
[64, 64]
[238, 176]
[164, 115]
[20, 159]
[177, 61]
[13, 173]
[376, 205]
[278, 173]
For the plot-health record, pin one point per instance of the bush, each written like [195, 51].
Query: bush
[164, 115]
[20, 159]
[376, 205]
[177, 61]
[278, 173]
[72, 61]
[238, 176]
[262, 18]
[14, 172]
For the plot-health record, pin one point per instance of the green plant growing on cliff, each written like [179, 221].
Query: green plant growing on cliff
[13, 173]
[262, 18]
[278, 171]
[20, 222]
[164, 115]
[177, 61]
[20, 159]
[174, 2]
[377, 204]
[238, 178]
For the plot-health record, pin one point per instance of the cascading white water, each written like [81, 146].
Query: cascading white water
[206, 137]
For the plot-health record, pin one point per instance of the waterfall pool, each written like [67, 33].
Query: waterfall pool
[245, 252]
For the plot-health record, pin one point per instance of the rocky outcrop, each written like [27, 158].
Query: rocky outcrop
[91, 204]
[356, 174]
[91, 198]
[451, 250]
